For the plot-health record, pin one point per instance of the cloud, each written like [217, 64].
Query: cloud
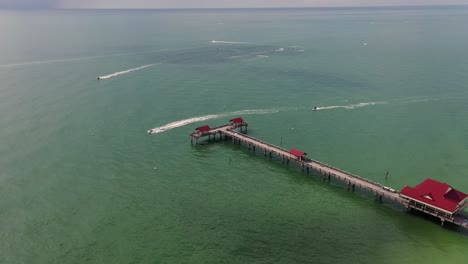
[28, 4]
[244, 3]
[34, 4]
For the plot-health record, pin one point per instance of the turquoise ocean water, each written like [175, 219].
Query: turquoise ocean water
[82, 182]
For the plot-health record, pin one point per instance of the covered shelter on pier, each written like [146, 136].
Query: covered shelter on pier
[203, 128]
[200, 132]
[435, 198]
[300, 155]
[238, 122]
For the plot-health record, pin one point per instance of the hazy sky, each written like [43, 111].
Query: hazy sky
[214, 3]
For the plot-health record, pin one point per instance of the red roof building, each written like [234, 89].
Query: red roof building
[437, 195]
[237, 120]
[297, 153]
[203, 129]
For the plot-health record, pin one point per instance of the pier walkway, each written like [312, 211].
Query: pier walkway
[233, 132]
[326, 171]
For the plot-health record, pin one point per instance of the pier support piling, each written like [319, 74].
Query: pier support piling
[233, 132]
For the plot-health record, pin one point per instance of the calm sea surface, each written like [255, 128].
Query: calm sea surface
[82, 182]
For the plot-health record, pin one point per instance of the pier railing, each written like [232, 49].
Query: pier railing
[319, 163]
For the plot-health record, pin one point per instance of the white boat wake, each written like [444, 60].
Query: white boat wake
[351, 106]
[232, 42]
[418, 100]
[123, 72]
[191, 120]
[29, 63]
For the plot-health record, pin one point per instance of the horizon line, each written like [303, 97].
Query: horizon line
[245, 8]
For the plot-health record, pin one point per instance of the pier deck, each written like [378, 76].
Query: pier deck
[325, 171]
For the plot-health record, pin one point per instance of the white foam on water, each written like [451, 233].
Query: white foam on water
[30, 63]
[258, 55]
[27, 63]
[233, 42]
[191, 120]
[351, 106]
[418, 100]
[180, 123]
[123, 72]
[237, 56]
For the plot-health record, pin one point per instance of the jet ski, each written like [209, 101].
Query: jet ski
[98, 78]
[315, 108]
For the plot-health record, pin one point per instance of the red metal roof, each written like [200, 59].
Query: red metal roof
[437, 194]
[297, 153]
[203, 128]
[237, 120]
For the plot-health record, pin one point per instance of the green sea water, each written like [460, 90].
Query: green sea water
[81, 181]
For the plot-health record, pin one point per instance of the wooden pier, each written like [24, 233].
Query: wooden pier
[236, 132]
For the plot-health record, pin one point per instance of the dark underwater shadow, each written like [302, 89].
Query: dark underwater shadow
[214, 54]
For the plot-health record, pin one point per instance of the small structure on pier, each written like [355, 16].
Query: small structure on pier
[211, 132]
[435, 198]
[238, 122]
[201, 132]
[300, 155]
[203, 129]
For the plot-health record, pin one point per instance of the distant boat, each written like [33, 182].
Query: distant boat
[98, 78]
[315, 108]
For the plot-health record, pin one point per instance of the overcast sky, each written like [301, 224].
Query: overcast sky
[214, 3]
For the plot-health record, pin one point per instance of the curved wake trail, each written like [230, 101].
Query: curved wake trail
[187, 121]
[352, 106]
[123, 72]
